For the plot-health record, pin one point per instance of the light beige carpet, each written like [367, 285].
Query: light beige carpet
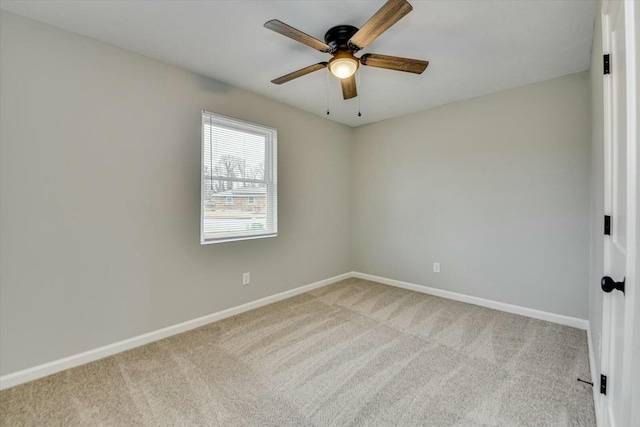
[351, 353]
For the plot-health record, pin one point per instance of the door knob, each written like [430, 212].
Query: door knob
[608, 284]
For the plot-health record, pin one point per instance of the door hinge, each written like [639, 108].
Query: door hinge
[603, 384]
[607, 67]
[607, 225]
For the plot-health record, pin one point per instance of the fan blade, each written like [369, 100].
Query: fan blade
[349, 87]
[301, 72]
[415, 66]
[381, 21]
[297, 35]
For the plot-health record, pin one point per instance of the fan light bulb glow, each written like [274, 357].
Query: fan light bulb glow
[343, 66]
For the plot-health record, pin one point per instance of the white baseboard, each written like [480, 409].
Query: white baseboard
[49, 368]
[595, 378]
[502, 306]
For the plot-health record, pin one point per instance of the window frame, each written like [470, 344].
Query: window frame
[270, 177]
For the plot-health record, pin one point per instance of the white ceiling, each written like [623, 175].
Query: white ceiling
[474, 47]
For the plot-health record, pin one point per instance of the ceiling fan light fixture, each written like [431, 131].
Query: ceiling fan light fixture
[343, 65]
[343, 41]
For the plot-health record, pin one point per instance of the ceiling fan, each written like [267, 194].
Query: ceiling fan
[343, 41]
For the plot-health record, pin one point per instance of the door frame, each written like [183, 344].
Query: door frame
[631, 373]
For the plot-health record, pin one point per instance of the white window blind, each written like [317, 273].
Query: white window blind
[239, 180]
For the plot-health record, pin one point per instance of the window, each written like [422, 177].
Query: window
[239, 162]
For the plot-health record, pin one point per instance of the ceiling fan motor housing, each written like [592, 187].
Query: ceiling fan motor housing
[338, 37]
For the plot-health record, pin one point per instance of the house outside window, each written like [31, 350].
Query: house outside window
[239, 180]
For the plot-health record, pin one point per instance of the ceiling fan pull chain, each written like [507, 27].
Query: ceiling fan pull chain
[358, 86]
[328, 92]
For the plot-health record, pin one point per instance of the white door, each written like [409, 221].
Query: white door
[620, 204]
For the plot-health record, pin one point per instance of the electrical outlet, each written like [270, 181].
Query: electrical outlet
[246, 278]
[436, 267]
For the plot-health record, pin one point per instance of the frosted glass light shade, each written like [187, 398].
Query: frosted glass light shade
[343, 66]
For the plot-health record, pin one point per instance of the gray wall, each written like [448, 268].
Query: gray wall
[99, 194]
[495, 188]
[596, 182]
[100, 180]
